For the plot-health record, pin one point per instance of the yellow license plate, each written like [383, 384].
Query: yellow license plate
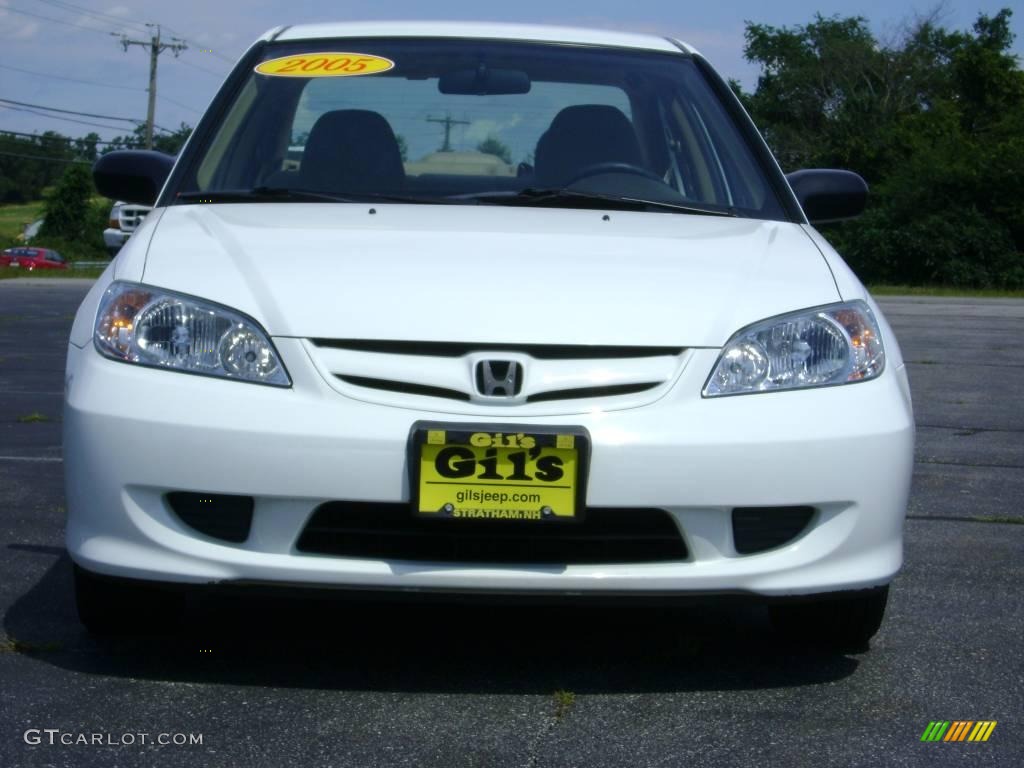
[498, 473]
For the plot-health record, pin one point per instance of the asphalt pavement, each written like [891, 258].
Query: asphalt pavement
[332, 683]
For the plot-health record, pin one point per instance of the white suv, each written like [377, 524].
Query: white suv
[124, 220]
[631, 367]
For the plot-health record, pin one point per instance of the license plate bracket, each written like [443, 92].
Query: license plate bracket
[528, 473]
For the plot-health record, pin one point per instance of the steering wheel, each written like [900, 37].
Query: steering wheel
[613, 166]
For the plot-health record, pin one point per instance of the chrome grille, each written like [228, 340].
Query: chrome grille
[131, 216]
[554, 379]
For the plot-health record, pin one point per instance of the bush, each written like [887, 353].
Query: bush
[931, 120]
[89, 246]
[961, 248]
[72, 250]
[67, 208]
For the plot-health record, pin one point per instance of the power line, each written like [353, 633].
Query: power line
[194, 44]
[46, 159]
[102, 85]
[201, 69]
[221, 56]
[114, 20]
[70, 79]
[117, 21]
[95, 14]
[79, 122]
[70, 111]
[155, 47]
[141, 27]
[68, 119]
[183, 106]
[41, 137]
[55, 21]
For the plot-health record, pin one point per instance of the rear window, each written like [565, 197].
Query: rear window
[450, 120]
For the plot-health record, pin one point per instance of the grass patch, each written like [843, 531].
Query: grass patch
[33, 418]
[941, 290]
[13, 219]
[564, 701]
[88, 247]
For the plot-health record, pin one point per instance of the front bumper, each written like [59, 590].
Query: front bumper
[133, 434]
[115, 238]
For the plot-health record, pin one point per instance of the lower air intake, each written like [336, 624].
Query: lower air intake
[216, 515]
[757, 529]
[393, 532]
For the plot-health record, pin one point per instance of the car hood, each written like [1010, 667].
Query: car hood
[488, 274]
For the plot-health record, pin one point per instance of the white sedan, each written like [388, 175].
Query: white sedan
[461, 308]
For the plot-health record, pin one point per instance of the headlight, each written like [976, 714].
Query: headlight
[162, 329]
[836, 344]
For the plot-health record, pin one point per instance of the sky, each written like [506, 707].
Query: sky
[67, 54]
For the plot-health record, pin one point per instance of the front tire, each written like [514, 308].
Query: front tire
[843, 623]
[109, 606]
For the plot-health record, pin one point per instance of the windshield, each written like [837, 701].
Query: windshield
[472, 121]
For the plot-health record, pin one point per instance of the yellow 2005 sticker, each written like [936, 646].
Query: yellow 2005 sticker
[325, 65]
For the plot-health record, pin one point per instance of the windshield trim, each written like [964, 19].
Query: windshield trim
[208, 125]
[753, 138]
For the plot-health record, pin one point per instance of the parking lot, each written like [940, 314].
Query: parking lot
[329, 683]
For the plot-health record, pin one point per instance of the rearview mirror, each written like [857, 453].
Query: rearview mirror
[828, 195]
[484, 81]
[132, 175]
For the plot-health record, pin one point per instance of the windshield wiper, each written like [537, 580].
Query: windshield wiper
[543, 196]
[287, 195]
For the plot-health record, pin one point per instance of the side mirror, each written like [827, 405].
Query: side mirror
[828, 195]
[132, 175]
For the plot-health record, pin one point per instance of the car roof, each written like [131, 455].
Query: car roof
[478, 30]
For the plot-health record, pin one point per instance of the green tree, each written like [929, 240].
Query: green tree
[932, 121]
[29, 164]
[85, 148]
[172, 142]
[67, 210]
[494, 146]
[163, 141]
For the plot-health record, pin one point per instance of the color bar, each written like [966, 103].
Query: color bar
[991, 726]
[959, 730]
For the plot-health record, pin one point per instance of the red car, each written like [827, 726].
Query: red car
[32, 258]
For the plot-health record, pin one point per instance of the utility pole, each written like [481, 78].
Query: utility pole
[447, 122]
[156, 47]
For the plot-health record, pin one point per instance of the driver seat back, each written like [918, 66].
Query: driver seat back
[352, 150]
[582, 136]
